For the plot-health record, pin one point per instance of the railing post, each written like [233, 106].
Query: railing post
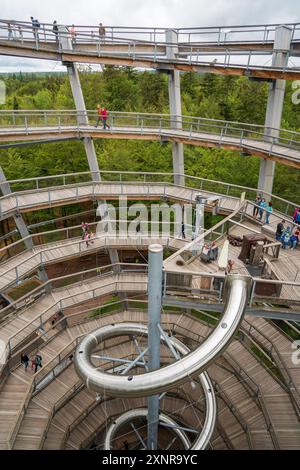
[252, 293]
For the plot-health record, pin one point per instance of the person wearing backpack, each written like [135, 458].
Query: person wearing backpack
[35, 28]
[38, 362]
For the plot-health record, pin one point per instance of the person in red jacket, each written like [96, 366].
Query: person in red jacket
[102, 116]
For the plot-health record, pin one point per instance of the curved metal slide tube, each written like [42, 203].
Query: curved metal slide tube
[175, 374]
[129, 416]
[210, 412]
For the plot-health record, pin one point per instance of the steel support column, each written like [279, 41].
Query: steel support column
[20, 224]
[82, 119]
[155, 263]
[282, 44]
[175, 106]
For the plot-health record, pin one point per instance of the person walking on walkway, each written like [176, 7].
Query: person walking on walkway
[38, 362]
[35, 28]
[72, 31]
[84, 228]
[20, 33]
[256, 207]
[10, 31]
[286, 238]
[269, 210]
[55, 30]
[295, 238]
[280, 230]
[87, 238]
[102, 32]
[104, 115]
[262, 208]
[182, 230]
[25, 360]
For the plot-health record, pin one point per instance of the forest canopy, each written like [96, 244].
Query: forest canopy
[124, 89]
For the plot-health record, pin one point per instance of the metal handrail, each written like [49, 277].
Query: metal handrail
[240, 371]
[151, 33]
[120, 174]
[277, 358]
[39, 251]
[40, 375]
[272, 141]
[167, 118]
[32, 386]
[9, 347]
[191, 42]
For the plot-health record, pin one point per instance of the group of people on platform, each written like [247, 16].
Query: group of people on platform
[209, 252]
[36, 362]
[73, 32]
[15, 30]
[288, 236]
[262, 208]
[87, 235]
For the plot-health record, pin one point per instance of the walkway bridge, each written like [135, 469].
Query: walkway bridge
[255, 409]
[233, 50]
[19, 261]
[259, 400]
[249, 139]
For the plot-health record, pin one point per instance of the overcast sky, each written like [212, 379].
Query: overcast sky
[160, 13]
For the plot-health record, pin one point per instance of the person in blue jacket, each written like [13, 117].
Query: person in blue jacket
[285, 239]
[269, 210]
[262, 208]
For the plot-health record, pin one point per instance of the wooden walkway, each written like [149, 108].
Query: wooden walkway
[54, 196]
[133, 56]
[25, 263]
[34, 319]
[286, 268]
[283, 154]
[237, 405]
[270, 333]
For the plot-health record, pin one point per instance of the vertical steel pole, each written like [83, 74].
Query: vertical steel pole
[83, 120]
[175, 106]
[282, 45]
[155, 262]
